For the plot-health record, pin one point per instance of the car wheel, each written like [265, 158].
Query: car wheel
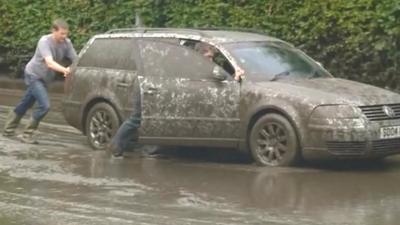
[102, 123]
[273, 141]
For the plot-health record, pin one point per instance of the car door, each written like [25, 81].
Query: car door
[108, 68]
[181, 99]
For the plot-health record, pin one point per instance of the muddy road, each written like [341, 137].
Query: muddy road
[62, 181]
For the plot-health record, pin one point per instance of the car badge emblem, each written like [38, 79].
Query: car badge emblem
[388, 111]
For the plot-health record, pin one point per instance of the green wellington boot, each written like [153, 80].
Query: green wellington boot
[27, 136]
[11, 125]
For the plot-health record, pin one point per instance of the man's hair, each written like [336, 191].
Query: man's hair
[59, 23]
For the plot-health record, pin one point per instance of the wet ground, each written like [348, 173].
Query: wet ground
[62, 181]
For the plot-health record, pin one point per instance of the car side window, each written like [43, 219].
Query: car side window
[168, 59]
[110, 53]
[218, 58]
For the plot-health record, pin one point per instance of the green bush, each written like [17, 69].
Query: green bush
[355, 39]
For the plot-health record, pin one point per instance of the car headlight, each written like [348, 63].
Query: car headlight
[336, 111]
[338, 116]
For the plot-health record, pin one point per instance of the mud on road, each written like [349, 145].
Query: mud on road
[62, 181]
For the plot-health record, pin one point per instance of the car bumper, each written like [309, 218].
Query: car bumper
[72, 111]
[360, 139]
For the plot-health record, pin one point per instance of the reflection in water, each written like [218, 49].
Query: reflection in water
[326, 193]
[330, 196]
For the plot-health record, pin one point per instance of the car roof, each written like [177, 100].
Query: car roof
[218, 36]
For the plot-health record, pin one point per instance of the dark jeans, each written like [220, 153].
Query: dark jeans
[127, 134]
[36, 92]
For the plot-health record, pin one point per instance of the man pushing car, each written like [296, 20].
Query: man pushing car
[39, 72]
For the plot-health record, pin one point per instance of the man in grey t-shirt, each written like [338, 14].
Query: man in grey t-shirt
[39, 72]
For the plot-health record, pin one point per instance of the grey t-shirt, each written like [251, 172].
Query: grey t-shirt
[47, 46]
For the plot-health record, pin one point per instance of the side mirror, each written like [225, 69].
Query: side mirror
[219, 73]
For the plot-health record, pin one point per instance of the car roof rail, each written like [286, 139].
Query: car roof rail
[248, 30]
[146, 29]
[196, 30]
[121, 30]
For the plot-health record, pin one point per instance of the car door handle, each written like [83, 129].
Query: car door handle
[150, 90]
[122, 84]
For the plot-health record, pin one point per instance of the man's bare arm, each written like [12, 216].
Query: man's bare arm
[55, 66]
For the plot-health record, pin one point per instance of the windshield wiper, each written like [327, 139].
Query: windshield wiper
[279, 75]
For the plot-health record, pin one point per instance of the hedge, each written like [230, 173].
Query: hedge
[354, 39]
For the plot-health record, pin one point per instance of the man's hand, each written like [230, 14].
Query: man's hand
[67, 72]
[239, 74]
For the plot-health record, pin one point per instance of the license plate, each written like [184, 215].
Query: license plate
[390, 132]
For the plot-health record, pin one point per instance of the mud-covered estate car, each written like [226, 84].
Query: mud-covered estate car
[285, 108]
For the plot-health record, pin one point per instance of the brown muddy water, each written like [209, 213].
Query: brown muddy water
[62, 181]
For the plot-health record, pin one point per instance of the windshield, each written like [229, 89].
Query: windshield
[272, 60]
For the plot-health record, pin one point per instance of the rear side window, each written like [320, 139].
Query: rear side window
[166, 59]
[111, 53]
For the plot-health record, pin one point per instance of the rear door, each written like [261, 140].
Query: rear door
[181, 98]
[107, 69]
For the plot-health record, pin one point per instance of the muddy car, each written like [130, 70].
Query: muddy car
[286, 106]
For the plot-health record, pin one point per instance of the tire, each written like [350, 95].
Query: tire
[102, 122]
[273, 141]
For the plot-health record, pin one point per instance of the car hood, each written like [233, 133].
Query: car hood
[320, 91]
